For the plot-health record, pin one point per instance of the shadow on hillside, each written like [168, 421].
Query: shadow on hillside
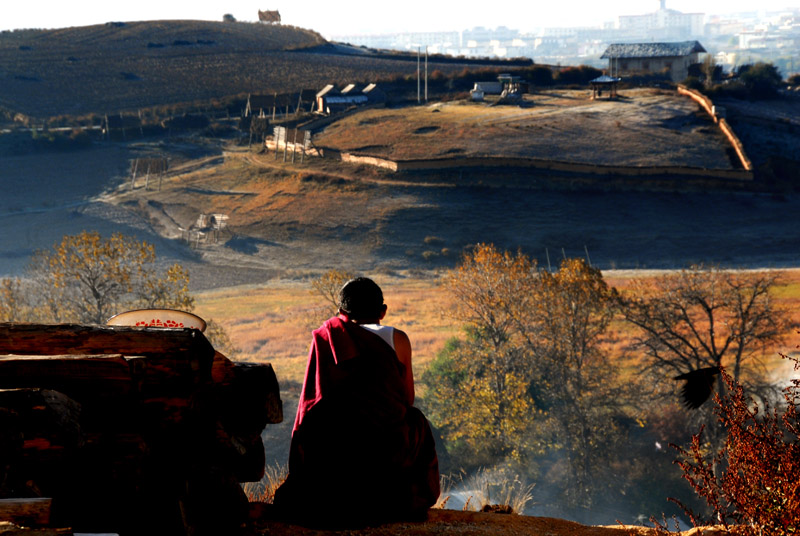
[248, 245]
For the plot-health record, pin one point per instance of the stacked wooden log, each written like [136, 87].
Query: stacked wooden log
[131, 430]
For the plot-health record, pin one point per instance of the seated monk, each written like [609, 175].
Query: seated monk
[360, 452]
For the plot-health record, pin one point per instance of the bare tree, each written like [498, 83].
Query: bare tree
[328, 285]
[701, 318]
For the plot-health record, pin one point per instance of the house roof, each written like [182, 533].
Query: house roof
[605, 79]
[652, 50]
[351, 89]
[330, 89]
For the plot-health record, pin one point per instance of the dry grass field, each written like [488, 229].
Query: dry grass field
[644, 127]
[272, 322]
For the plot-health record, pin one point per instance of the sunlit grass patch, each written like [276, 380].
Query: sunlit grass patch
[264, 489]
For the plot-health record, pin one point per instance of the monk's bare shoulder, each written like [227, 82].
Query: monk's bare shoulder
[402, 345]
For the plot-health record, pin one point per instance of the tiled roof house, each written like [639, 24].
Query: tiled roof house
[675, 58]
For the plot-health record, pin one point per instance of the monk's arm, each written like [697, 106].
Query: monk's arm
[402, 346]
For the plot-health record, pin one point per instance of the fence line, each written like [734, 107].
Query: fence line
[534, 163]
[726, 129]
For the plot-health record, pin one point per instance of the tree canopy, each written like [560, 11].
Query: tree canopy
[760, 79]
[529, 377]
[87, 279]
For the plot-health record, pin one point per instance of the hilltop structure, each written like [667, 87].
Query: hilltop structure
[331, 100]
[673, 58]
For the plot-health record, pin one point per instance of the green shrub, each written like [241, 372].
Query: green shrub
[580, 75]
[761, 80]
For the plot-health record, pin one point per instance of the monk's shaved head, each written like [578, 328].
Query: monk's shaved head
[361, 299]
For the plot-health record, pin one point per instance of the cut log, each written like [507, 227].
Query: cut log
[75, 375]
[50, 432]
[54, 339]
[248, 395]
[176, 358]
[48, 418]
[11, 529]
[26, 512]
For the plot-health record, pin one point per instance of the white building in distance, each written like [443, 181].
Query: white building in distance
[662, 24]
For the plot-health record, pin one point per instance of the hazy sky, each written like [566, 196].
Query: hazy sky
[335, 18]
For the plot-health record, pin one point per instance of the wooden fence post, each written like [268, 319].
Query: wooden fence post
[147, 177]
[135, 168]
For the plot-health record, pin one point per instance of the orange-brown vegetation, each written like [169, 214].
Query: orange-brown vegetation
[270, 322]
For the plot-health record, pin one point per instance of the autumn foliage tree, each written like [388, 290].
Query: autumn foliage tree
[478, 390]
[579, 389]
[530, 375]
[87, 278]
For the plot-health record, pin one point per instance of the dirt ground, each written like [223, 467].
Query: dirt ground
[466, 524]
[643, 127]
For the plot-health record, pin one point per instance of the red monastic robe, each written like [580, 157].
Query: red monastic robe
[358, 451]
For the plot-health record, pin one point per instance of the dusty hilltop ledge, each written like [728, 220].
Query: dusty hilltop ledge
[463, 524]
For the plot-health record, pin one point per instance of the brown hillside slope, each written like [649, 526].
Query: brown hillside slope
[119, 66]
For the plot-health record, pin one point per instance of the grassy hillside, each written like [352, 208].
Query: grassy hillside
[644, 127]
[127, 66]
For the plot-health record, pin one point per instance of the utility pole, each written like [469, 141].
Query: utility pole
[418, 82]
[426, 73]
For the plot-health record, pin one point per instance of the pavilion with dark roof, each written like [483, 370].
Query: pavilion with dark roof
[674, 58]
[604, 85]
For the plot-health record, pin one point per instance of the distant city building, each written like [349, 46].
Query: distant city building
[662, 24]
[737, 38]
[673, 58]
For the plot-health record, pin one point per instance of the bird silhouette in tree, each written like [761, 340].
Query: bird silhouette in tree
[698, 386]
